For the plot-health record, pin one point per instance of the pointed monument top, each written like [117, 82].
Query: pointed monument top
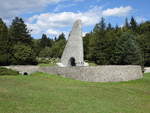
[78, 23]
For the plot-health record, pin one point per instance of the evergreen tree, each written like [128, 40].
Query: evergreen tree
[58, 47]
[86, 39]
[4, 44]
[109, 27]
[127, 51]
[146, 48]
[116, 27]
[61, 37]
[144, 41]
[45, 41]
[55, 38]
[37, 46]
[19, 32]
[100, 45]
[101, 26]
[21, 43]
[133, 24]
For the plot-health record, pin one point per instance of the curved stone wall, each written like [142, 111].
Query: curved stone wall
[147, 70]
[108, 73]
[24, 68]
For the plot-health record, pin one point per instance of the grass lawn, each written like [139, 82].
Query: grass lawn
[45, 65]
[92, 64]
[43, 93]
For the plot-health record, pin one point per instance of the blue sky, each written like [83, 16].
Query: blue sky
[53, 17]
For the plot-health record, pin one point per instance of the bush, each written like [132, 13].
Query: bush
[5, 71]
[23, 55]
[46, 52]
[48, 60]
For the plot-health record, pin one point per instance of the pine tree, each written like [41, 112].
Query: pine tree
[61, 37]
[56, 49]
[21, 43]
[59, 46]
[133, 25]
[86, 42]
[4, 44]
[109, 27]
[101, 26]
[19, 32]
[45, 41]
[37, 46]
[127, 51]
[116, 27]
[100, 43]
[144, 40]
[146, 49]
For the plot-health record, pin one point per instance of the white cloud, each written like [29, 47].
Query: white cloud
[51, 22]
[140, 19]
[53, 32]
[9, 8]
[121, 11]
[12, 8]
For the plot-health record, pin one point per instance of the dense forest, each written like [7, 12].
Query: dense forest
[104, 45]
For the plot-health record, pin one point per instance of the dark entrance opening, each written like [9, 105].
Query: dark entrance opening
[72, 61]
[25, 73]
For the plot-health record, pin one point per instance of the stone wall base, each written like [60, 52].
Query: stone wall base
[106, 73]
[97, 73]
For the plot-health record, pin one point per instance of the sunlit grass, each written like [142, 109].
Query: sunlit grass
[44, 93]
[45, 65]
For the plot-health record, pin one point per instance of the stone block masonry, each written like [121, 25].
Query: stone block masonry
[98, 73]
[24, 68]
[106, 73]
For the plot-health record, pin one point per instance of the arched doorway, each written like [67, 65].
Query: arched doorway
[72, 61]
[25, 73]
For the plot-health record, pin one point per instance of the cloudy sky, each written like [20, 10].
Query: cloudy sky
[53, 17]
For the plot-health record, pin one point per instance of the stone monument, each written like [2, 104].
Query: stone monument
[73, 52]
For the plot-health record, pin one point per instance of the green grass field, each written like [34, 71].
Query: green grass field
[45, 65]
[43, 93]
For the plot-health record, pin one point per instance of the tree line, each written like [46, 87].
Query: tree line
[104, 45]
[17, 47]
[126, 45]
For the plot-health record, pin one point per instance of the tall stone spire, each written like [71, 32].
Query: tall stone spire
[73, 52]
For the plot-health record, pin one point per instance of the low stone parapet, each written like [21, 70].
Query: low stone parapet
[28, 69]
[147, 70]
[108, 73]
